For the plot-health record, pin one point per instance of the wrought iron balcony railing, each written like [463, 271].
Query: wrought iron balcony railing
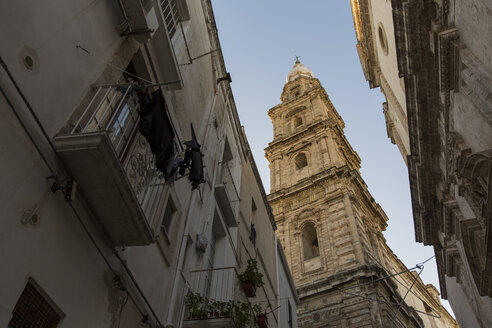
[114, 166]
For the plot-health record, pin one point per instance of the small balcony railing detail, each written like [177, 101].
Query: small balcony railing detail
[113, 110]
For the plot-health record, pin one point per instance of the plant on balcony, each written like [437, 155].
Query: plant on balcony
[198, 305]
[251, 278]
[204, 308]
[261, 317]
[241, 314]
[218, 308]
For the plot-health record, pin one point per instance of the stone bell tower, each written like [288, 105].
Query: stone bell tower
[329, 224]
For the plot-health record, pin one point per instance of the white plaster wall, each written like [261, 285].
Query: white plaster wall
[382, 14]
[394, 91]
[471, 125]
[195, 99]
[55, 252]
[265, 249]
[285, 295]
[464, 313]
[473, 20]
[51, 32]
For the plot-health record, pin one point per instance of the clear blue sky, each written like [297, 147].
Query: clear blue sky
[259, 40]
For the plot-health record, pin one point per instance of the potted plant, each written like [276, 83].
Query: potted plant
[197, 305]
[251, 278]
[242, 314]
[261, 318]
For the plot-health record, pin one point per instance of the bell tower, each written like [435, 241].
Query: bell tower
[307, 132]
[328, 223]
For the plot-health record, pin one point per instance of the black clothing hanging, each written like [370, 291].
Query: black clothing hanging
[154, 125]
[193, 160]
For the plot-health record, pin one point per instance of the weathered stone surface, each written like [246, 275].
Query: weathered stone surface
[436, 75]
[334, 266]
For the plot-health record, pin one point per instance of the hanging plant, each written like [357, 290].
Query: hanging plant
[251, 278]
[261, 317]
[197, 305]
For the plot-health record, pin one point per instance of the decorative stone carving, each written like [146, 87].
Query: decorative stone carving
[475, 186]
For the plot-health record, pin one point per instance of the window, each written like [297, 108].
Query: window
[310, 243]
[252, 234]
[215, 258]
[301, 161]
[227, 154]
[168, 215]
[33, 310]
[171, 18]
[253, 210]
[297, 122]
[383, 41]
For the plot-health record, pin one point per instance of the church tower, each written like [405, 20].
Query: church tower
[328, 222]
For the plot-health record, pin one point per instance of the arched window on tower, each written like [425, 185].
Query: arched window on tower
[297, 122]
[301, 161]
[310, 244]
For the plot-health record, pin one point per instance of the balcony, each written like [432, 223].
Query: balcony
[114, 167]
[214, 292]
[142, 18]
[227, 195]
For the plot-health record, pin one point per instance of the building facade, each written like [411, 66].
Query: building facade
[130, 184]
[436, 55]
[331, 227]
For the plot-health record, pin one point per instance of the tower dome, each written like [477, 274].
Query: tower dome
[298, 70]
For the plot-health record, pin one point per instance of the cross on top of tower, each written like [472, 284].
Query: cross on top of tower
[297, 59]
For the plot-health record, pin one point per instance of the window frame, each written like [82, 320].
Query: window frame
[167, 240]
[296, 161]
[45, 298]
[174, 211]
[312, 227]
[298, 121]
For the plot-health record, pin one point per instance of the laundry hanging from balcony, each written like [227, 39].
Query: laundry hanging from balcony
[155, 126]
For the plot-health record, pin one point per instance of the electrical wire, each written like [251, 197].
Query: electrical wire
[402, 284]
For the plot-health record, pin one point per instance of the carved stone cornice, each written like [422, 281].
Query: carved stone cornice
[308, 183]
[322, 285]
[365, 41]
[310, 131]
[448, 50]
